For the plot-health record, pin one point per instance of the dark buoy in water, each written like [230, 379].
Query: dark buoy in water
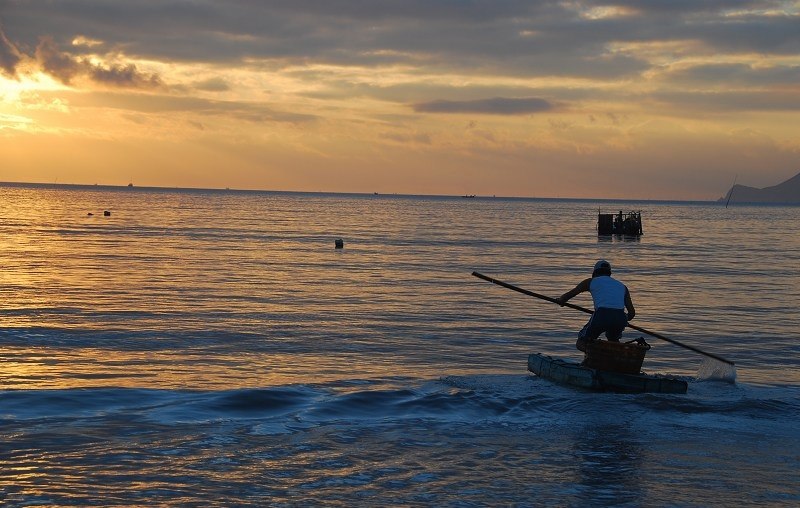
[106, 214]
[339, 243]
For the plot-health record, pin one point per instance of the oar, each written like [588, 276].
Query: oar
[583, 309]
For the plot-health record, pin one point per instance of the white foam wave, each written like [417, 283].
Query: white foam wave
[715, 370]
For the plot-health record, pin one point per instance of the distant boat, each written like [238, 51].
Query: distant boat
[468, 196]
[130, 185]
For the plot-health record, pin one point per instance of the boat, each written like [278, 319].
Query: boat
[607, 367]
[580, 376]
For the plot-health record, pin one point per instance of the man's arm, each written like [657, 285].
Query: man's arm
[629, 305]
[580, 288]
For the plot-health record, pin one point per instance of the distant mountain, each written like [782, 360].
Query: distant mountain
[786, 192]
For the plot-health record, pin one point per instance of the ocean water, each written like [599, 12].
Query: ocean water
[213, 348]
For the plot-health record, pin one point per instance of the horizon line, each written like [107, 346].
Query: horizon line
[131, 186]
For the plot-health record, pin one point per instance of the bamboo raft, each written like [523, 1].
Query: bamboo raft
[607, 367]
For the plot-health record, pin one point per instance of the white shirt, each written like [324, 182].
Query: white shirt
[607, 293]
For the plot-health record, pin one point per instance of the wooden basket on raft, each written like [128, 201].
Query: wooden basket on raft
[623, 357]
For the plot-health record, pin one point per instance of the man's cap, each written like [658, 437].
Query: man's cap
[602, 265]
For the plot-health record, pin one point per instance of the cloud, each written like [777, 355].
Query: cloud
[511, 37]
[494, 106]
[738, 73]
[683, 6]
[56, 63]
[9, 56]
[65, 68]
[509, 48]
[588, 53]
[768, 35]
[420, 138]
[213, 85]
[126, 76]
[154, 103]
[729, 101]
[85, 41]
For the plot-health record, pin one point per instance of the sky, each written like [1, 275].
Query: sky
[631, 99]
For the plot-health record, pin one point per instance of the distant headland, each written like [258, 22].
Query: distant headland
[786, 192]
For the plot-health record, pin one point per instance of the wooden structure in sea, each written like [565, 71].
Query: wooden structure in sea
[622, 223]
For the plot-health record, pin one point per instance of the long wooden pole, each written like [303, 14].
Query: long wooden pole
[588, 311]
[731, 192]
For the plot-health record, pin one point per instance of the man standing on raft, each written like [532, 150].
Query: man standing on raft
[611, 298]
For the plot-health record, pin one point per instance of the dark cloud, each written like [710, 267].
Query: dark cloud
[495, 106]
[513, 37]
[768, 35]
[65, 67]
[125, 76]
[739, 74]
[59, 65]
[516, 38]
[9, 56]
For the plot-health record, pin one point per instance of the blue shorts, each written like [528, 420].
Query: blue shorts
[608, 321]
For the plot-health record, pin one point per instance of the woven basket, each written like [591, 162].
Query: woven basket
[624, 357]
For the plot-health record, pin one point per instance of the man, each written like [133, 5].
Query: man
[610, 297]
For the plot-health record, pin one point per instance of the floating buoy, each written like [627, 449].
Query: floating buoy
[107, 213]
[339, 243]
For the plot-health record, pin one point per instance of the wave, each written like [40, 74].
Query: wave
[490, 399]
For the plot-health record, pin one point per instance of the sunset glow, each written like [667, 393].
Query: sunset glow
[611, 99]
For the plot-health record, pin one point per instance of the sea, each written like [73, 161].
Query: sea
[173, 347]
